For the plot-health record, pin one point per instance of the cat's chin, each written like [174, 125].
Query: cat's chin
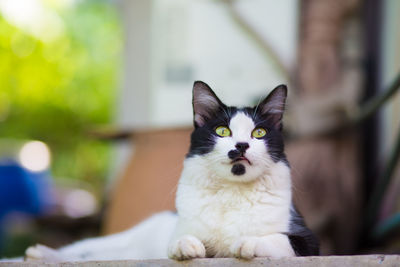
[238, 169]
[241, 172]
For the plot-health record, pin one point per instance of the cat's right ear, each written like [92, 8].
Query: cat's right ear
[205, 103]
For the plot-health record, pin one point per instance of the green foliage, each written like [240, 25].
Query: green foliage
[55, 91]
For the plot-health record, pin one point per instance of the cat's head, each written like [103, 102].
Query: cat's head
[239, 144]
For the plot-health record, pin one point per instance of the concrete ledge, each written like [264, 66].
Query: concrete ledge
[328, 261]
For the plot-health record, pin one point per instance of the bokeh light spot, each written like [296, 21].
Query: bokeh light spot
[35, 156]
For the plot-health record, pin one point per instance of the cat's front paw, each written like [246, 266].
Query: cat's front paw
[274, 245]
[244, 247]
[185, 248]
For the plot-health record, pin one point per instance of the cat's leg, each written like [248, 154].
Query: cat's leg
[99, 248]
[147, 240]
[274, 245]
[186, 247]
[43, 253]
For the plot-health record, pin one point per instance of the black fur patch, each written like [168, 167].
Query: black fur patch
[238, 169]
[303, 241]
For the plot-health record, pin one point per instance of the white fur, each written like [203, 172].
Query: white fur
[187, 247]
[234, 216]
[147, 240]
[275, 245]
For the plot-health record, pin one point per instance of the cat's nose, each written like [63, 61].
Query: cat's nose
[242, 147]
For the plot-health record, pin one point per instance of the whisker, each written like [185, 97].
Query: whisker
[255, 110]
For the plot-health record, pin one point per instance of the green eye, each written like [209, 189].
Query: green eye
[259, 132]
[223, 131]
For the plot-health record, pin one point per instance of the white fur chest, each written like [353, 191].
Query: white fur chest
[218, 211]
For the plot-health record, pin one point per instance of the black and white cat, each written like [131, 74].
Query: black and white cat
[234, 196]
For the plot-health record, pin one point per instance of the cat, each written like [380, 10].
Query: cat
[234, 196]
[233, 199]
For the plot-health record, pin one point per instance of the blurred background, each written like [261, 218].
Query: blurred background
[95, 110]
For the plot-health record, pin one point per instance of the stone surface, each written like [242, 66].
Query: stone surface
[327, 261]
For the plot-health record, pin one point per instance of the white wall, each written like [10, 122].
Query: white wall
[198, 40]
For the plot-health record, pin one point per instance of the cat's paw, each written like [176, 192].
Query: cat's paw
[244, 247]
[43, 253]
[185, 248]
[274, 245]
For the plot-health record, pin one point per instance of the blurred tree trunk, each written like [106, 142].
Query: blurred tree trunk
[326, 167]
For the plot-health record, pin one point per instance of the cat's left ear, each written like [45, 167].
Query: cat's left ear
[273, 106]
[205, 103]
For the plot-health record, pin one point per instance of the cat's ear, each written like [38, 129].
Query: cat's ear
[205, 103]
[273, 106]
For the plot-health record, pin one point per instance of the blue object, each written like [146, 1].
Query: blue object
[22, 190]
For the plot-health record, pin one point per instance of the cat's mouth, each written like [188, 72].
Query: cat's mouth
[240, 159]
